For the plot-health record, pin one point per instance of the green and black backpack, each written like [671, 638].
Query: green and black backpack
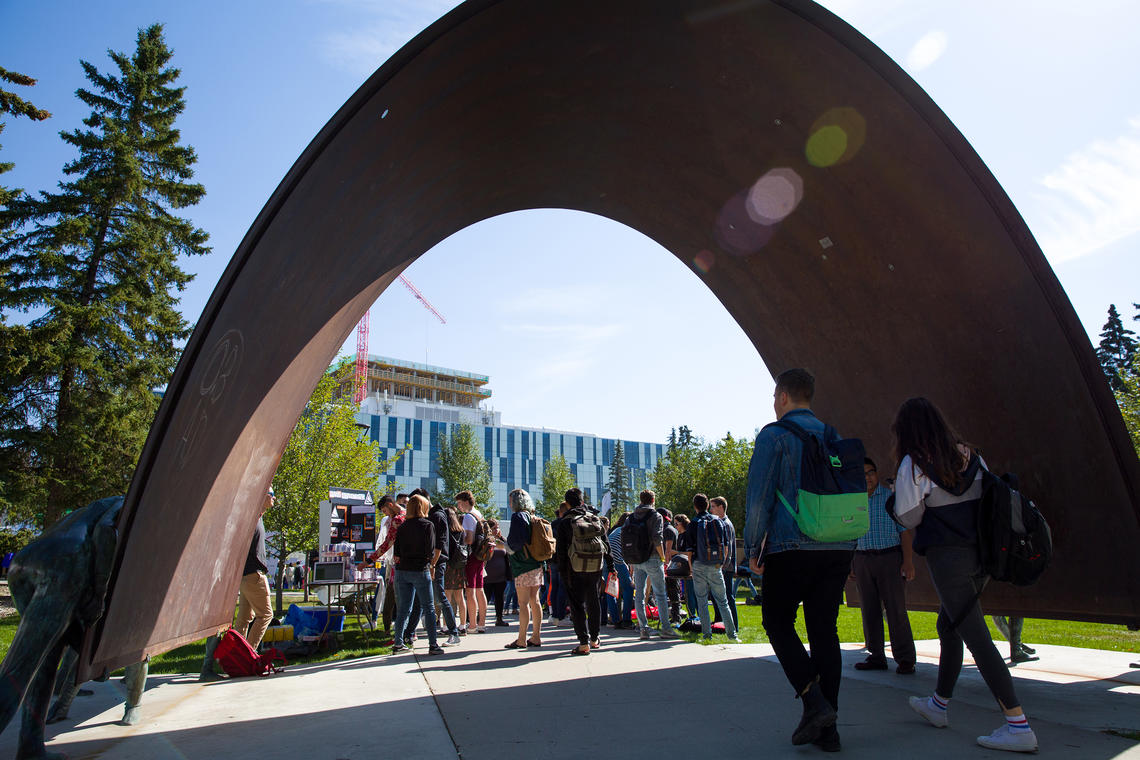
[831, 504]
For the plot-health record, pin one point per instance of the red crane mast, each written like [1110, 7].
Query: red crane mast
[360, 376]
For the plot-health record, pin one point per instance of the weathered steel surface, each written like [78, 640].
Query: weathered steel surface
[903, 270]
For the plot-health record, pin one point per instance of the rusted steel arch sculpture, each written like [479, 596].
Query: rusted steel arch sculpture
[814, 187]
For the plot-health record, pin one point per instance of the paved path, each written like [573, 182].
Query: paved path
[640, 699]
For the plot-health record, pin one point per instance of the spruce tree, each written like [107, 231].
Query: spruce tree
[97, 263]
[1117, 346]
[618, 484]
[11, 103]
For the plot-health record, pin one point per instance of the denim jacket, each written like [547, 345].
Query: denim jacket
[775, 466]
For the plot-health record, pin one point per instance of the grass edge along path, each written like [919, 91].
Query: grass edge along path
[355, 643]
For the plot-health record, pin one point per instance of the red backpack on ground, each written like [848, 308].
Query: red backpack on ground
[238, 658]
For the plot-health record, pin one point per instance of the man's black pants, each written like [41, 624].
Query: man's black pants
[585, 605]
[816, 579]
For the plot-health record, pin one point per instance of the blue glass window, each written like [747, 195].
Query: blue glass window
[391, 432]
[418, 435]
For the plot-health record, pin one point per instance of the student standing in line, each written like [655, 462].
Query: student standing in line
[498, 572]
[580, 553]
[416, 555]
[622, 619]
[718, 506]
[528, 572]
[937, 492]
[476, 598]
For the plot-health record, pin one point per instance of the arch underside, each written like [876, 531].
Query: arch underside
[903, 270]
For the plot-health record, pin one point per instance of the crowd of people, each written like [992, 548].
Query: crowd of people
[450, 558]
[591, 571]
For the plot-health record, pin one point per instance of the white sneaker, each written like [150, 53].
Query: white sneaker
[452, 640]
[936, 718]
[481, 629]
[552, 621]
[1012, 741]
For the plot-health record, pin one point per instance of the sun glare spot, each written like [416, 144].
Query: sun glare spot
[835, 137]
[774, 196]
[736, 233]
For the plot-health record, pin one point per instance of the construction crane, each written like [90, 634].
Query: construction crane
[360, 376]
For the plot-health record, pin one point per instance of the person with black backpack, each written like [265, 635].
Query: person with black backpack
[642, 545]
[580, 554]
[802, 554]
[706, 544]
[938, 491]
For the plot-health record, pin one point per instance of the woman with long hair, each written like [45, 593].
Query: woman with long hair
[937, 491]
[416, 556]
[455, 577]
[528, 572]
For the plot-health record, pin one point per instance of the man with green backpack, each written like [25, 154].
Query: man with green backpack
[806, 505]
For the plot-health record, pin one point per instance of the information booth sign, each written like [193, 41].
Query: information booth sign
[349, 516]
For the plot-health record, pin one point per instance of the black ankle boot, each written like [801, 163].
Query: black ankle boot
[828, 739]
[818, 715]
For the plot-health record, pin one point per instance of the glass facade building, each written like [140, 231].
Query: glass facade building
[516, 455]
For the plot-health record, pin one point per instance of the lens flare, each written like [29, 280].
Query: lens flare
[704, 261]
[735, 232]
[775, 196]
[835, 137]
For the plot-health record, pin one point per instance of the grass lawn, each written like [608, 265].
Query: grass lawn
[1036, 631]
[188, 658]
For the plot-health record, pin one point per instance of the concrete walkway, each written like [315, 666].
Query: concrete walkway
[640, 699]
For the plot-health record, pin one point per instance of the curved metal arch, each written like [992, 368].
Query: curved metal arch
[903, 269]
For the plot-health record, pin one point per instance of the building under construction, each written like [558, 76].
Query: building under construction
[398, 379]
[408, 406]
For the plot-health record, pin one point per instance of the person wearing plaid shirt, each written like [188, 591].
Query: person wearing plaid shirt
[883, 564]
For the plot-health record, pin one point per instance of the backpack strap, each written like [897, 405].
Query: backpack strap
[969, 606]
[791, 427]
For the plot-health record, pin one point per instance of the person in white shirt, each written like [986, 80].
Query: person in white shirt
[937, 492]
[472, 526]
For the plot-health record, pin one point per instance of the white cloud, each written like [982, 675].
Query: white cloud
[927, 50]
[361, 49]
[1093, 198]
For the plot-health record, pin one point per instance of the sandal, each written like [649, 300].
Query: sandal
[534, 644]
[515, 645]
[581, 649]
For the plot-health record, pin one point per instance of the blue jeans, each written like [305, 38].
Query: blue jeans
[709, 580]
[414, 584]
[653, 569]
[511, 601]
[690, 598]
[441, 600]
[441, 603]
[737, 581]
[625, 589]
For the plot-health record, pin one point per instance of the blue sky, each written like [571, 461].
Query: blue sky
[607, 332]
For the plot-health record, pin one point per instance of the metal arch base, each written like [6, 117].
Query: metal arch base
[903, 270]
